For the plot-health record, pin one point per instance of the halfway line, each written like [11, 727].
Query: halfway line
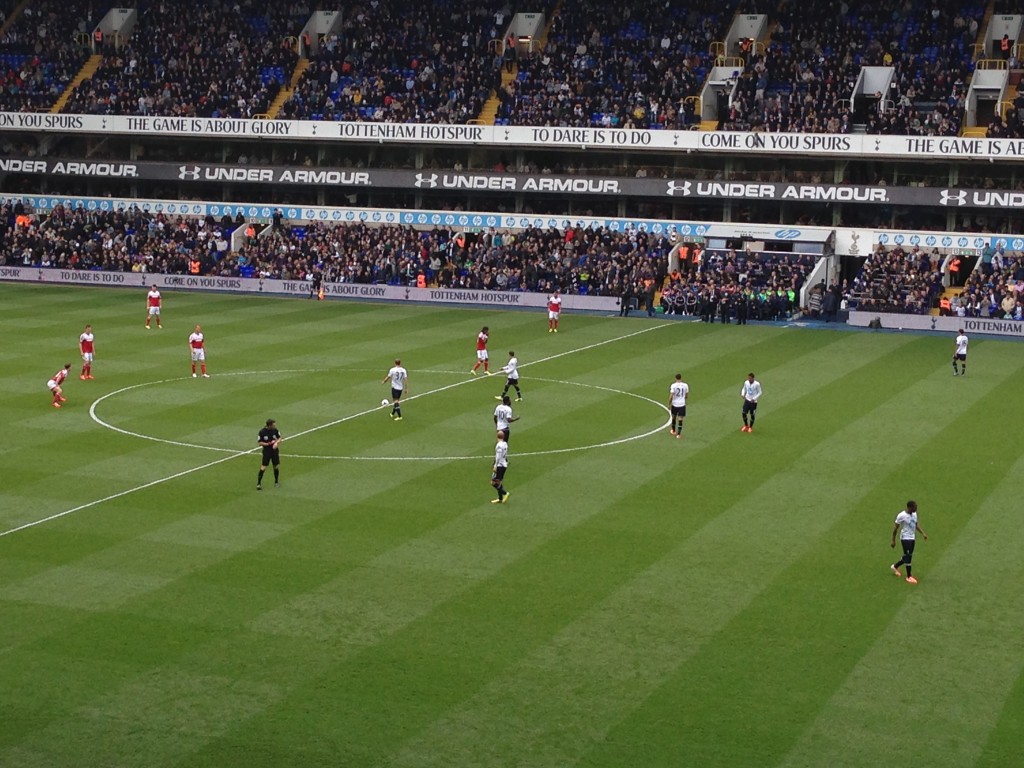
[342, 420]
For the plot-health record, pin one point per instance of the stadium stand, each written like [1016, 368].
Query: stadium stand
[896, 280]
[803, 81]
[995, 289]
[599, 64]
[205, 59]
[43, 48]
[635, 65]
[404, 61]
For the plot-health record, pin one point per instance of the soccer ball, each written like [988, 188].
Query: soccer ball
[384, 402]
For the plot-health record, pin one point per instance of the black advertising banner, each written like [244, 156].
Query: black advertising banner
[511, 183]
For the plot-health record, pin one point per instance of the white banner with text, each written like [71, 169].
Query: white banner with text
[618, 139]
[142, 280]
[950, 325]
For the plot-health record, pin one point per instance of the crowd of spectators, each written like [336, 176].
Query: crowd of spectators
[219, 58]
[627, 65]
[994, 289]
[115, 241]
[578, 261]
[42, 51]
[405, 61]
[804, 80]
[897, 280]
[737, 285]
[633, 65]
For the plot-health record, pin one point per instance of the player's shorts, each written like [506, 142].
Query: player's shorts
[51, 385]
[908, 546]
[498, 475]
[396, 394]
[679, 411]
[960, 357]
[198, 355]
[87, 357]
[552, 314]
[512, 382]
[155, 311]
[270, 456]
[749, 406]
[481, 354]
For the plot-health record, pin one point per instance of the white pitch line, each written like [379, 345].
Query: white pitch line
[140, 435]
[239, 454]
[550, 451]
[467, 381]
[118, 495]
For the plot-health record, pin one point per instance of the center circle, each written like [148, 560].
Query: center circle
[553, 451]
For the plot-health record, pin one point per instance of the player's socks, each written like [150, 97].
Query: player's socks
[277, 476]
[259, 478]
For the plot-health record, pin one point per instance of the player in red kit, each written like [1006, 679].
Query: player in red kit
[153, 302]
[86, 345]
[554, 310]
[54, 385]
[481, 351]
[197, 344]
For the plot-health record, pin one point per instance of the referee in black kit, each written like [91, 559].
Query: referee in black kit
[269, 439]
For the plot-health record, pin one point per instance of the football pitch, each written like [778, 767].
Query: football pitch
[723, 599]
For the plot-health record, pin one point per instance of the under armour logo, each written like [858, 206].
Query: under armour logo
[426, 181]
[677, 189]
[188, 172]
[946, 198]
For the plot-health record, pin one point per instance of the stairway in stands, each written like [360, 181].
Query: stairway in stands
[980, 131]
[88, 70]
[13, 17]
[286, 92]
[948, 293]
[489, 111]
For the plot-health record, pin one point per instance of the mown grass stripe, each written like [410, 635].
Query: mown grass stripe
[598, 670]
[952, 684]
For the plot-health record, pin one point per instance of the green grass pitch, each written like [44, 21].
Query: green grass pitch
[720, 600]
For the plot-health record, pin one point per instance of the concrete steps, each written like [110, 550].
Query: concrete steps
[88, 70]
[948, 293]
[13, 17]
[489, 111]
[287, 91]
